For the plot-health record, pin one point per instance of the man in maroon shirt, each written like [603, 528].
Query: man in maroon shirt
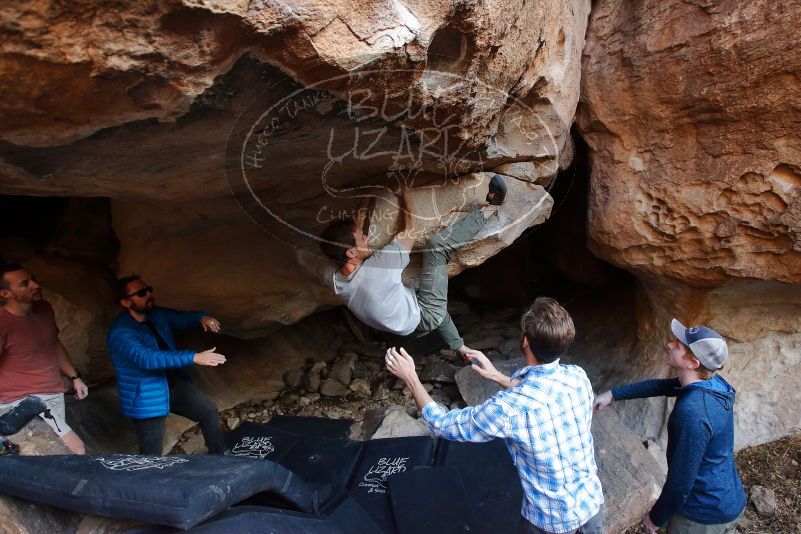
[32, 358]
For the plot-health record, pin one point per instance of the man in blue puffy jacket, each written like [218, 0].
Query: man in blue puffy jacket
[151, 375]
[703, 493]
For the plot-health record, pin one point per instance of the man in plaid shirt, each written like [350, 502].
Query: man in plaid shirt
[544, 414]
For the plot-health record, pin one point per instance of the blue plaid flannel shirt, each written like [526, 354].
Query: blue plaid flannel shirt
[545, 421]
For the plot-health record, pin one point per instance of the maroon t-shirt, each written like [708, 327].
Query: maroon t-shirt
[28, 353]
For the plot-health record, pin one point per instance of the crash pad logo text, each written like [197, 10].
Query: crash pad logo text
[254, 447]
[376, 478]
[138, 463]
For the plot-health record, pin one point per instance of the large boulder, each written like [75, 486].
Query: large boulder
[475, 389]
[631, 477]
[216, 128]
[157, 61]
[696, 189]
[398, 424]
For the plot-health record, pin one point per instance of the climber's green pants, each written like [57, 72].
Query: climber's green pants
[432, 296]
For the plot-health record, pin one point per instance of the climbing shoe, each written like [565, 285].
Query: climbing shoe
[13, 421]
[6, 447]
[497, 190]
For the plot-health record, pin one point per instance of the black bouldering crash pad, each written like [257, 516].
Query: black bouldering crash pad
[263, 520]
[179, 491]
[349, 515]
[381, 459]
[324, 463]
[431, 501]
[491, 480]
[304, 477]
[312, 427]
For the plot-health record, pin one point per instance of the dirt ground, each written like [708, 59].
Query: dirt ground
[777, 466]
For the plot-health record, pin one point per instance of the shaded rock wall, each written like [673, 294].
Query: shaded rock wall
[689, 111]
[68, 245]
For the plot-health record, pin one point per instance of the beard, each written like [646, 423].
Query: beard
[146, 307]
[29, 298]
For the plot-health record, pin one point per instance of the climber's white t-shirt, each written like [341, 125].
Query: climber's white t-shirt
[375, 294]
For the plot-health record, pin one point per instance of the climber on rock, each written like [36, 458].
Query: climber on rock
[369, 282]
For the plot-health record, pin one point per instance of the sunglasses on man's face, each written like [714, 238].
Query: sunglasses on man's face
[142, 292]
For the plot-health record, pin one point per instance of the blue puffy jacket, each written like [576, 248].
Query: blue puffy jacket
[140, 365]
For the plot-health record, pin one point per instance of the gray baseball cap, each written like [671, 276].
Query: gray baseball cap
[707, 345]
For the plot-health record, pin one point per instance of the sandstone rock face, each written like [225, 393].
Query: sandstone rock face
[689, 114]
[153, 60]
[695, 159]
[166, 109]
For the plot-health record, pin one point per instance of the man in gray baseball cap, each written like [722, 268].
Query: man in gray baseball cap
[702, 493]
[707, 346]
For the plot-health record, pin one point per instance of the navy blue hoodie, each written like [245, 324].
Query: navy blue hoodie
[702, 482]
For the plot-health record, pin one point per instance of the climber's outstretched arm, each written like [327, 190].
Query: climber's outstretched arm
[407, 233]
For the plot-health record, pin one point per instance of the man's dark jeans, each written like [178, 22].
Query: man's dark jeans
[188, 401]
[595, 525]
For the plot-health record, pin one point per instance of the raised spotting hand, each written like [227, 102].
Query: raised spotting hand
[209, 358]
[481, 364]
[401, 364]
[602, 401]
[210, 324]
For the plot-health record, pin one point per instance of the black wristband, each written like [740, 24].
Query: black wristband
[76, 377]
